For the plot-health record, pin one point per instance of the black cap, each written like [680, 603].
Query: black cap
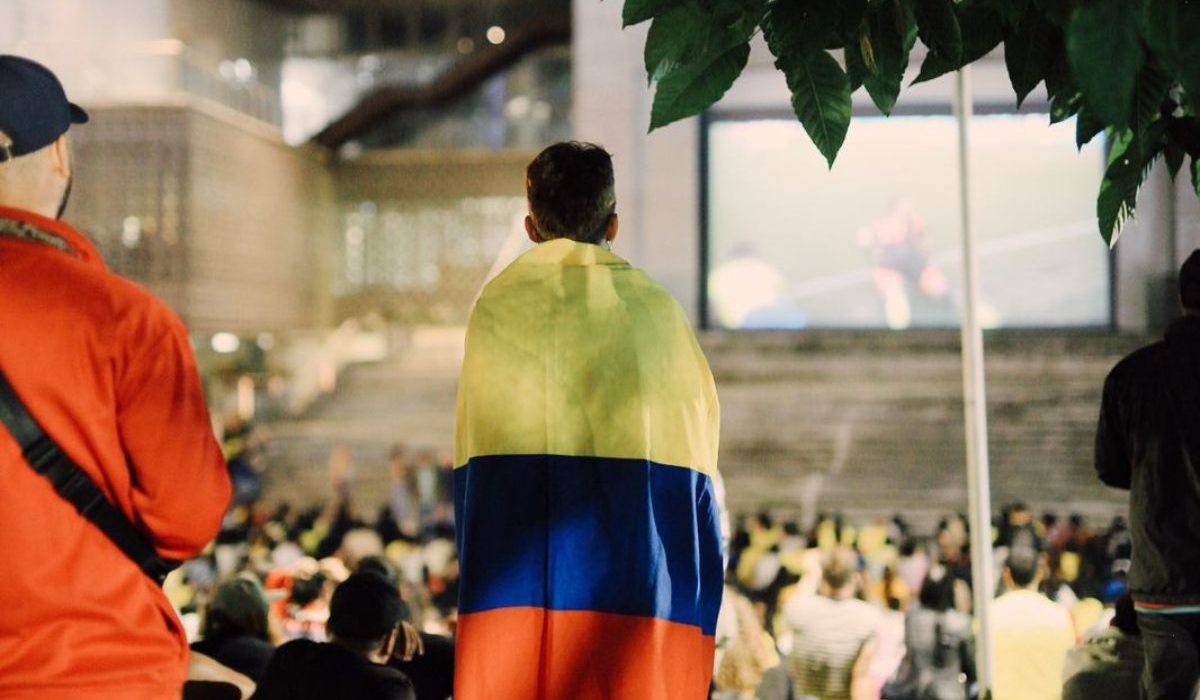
[34, 110]
[1189, 282]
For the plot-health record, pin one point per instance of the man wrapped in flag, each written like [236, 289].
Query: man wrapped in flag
[588, 525]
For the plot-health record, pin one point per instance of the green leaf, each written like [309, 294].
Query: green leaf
[1174, 154]
[821, 100]
[891, 34]
[1169, 25]
[1105, 49]
[1009, 11]
[735, 14]
[851, 14]
[1063, 93]
[1130, 161]
[671, 39]
[1196, 175]
[906, 23]
[1152, 87]
[688, 33]
[1029, 53]
[1057, 11]
[796, 31]
[1059, 81]
[797, 28]
[1086, 127]
[1186, 132]
[982, 31]
[638, 11]
[1172, 28]
[1119, 188]
[1063, 107]
[694, 87]
[856, 69]
[937, 26]
[867, 52]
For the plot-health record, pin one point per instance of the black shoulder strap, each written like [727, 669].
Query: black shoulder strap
[48, 459]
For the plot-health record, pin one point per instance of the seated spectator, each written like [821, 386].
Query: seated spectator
[234, 631]
[748, 656]
[1108, 665]
[1030, 634]
[305, 610]
[364, 625]
[427, 659]
[940, 655]
[832, 634]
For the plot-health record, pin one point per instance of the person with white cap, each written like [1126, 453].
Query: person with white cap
[109, 466]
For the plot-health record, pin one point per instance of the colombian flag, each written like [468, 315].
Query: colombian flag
[588, 526]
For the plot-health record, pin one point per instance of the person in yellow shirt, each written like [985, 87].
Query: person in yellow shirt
[1030, 634]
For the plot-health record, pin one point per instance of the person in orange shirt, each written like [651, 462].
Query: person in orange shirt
[106, 370]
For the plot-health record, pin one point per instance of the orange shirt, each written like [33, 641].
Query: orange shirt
[108, 372]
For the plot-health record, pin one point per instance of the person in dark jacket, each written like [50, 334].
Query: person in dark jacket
[364, 625]
[235, 628]
[1148, 441]
[427, 659]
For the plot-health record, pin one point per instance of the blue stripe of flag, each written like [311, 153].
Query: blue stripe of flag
[620, 536]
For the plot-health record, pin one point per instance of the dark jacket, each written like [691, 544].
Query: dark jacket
[432, 673]
[1148, 441]
[245, 654]
[307, 670]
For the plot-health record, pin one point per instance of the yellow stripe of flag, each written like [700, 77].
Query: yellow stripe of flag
[571, 351]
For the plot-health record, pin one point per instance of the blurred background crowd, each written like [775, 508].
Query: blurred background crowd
[271, 573]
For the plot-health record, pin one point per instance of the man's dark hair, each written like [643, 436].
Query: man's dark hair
[571, 191]
[1189, 282]
[1022, 564]
[937, 590]
[306, 590]
[381, 567]
[364, 610]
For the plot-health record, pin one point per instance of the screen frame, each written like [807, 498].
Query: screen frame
[710, 117]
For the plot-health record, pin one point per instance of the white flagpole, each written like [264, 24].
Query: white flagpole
[975, 403]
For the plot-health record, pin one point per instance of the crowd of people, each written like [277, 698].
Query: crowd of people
[832, 610]
[277, 575]
[838, 611]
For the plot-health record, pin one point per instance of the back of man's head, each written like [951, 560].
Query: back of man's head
[363, 613]
[1189, 283]
[571, 192]
[238, 608]
[838, 568]
[381, 567]
[1022, 566]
